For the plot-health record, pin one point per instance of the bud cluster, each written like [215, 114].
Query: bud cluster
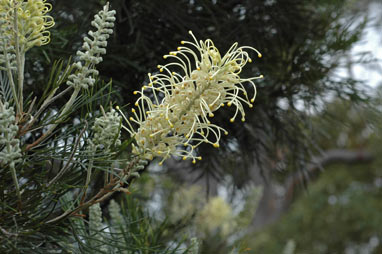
[9, 145]
[7, 51]
[92, 49]
[107, 130]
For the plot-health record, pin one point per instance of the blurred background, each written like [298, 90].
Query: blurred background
[303, 174]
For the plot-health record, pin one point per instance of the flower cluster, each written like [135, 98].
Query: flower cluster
[96, 228]
[186, 201]
[7, 55]
[107, 130]
[173, 118]
[11, 152]
[32, 22]
[92, 49]
[194, 246]
[216, 217]
[115, 213]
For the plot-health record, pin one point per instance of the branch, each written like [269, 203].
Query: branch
[327, 158]
[46, 103]
[272, 206]
[66, 109]
[104, 193]
[63, 170]
[7, 234]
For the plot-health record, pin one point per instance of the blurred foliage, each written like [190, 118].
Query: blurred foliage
[341, 211]
[126, 231]
[217, 223]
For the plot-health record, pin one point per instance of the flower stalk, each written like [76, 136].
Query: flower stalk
[20, 59]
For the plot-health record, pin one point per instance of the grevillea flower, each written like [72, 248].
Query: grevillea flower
[216, 218]
[32, 22]
[7, 55]
[107, 130]
[173, 110]
[96, 228]
[92, 49]
[11, 152]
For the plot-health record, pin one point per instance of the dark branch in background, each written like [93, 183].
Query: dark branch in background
[272, 206]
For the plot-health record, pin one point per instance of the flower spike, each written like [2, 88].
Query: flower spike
[92, 49]
[173, 110]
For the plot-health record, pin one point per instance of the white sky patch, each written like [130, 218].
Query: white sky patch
[371, 42]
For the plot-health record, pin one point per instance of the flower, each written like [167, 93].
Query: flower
[216, 217]
[186, 201]
[11, 152]
[7, 51]
[173, 118]
[93, 49]
[107, 130]
[96, 227]
[32, 22]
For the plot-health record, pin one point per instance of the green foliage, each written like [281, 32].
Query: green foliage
[26, 221]
[62, 144]
[128, 229]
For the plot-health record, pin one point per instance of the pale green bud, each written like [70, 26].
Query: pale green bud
[11, 151]
[107, 130]
[92, 48]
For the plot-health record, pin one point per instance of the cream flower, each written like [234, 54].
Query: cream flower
[173, 115]
[32, 21]
[216, 217]
[186, 201]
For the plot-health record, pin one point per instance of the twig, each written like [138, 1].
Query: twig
[48, 102]
[63, 170]
[88, 174]
[6, 233]
[51, 129]
[15, 181]
[104, 193]
[31, 105]
[85, 205]
[10, 77]
[43, 107]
